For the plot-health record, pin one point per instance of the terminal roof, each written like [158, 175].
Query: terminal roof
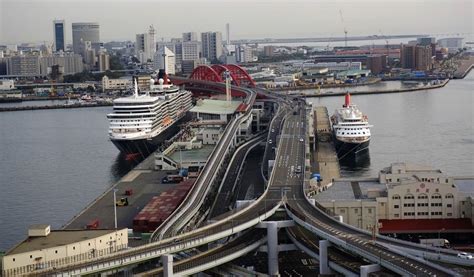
[55, 239]
[212, 106]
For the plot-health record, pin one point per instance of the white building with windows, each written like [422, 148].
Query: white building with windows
[115, 84]
[47, 249]
[165, 59]
[404, 197]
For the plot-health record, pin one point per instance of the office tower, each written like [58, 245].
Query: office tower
[227, 28]
[59, 35]
[211, 45]
[190, 50]
[145, 45]
[82, 32]
[165, 59]
[423, 57]
[376, 63]
[407, 56]
[190, 36]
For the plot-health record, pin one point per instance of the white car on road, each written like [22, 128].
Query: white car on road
[464, 255]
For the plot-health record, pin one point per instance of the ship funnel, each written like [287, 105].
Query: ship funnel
[162, 75]
[348, 100]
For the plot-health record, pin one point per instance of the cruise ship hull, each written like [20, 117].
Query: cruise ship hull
[142, 148]
[347, 148]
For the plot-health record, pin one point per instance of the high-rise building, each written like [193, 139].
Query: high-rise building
[190, 36]
[165, 59]
[211, 45]
[423, 57]
[227, 30]
[69, 63]
[416, 57]
[407, 56]
[152, 41]
[82, 32]
[376, 63]
[145, 45]
[23, 65]
[103, 61]
[190, 50]
[59, 35]
[268, 50]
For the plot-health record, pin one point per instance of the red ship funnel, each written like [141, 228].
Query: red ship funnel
[348, 100]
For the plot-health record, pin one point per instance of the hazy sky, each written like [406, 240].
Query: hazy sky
[31, 20]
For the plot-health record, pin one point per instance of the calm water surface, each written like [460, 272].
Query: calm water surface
[54, 162]
[430, 127]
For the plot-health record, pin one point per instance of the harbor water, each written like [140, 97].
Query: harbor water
[54, 162]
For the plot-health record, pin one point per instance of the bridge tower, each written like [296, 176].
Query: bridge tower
[227, 86]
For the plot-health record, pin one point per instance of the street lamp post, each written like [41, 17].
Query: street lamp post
[115, 208]
[439, 238]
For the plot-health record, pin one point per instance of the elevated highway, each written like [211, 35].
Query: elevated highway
[284, 190]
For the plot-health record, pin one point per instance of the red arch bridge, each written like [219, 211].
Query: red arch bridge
[215, 73]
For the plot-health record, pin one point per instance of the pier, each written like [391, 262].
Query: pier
[328, 94]
[54, 107]
[143, 181]
[324, 159]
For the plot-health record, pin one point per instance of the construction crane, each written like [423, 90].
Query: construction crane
[386, 46]
[386, 42]
[345, 29]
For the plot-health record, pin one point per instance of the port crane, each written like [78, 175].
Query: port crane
[345, 29]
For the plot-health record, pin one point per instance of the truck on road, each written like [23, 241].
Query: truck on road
[444, 243]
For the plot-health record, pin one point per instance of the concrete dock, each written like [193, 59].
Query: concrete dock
[145, 183]
[324, 159]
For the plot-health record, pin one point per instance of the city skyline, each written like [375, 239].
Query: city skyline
[309, 19]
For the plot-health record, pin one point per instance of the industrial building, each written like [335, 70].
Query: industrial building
[45, 248]
[453, 44]
[404, 198]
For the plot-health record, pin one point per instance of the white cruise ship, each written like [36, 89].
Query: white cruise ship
[351, 129]
[141, 122]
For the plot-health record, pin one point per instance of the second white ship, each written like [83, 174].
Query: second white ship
[351, 129]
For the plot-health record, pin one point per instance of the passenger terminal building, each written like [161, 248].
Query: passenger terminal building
[404, 199]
